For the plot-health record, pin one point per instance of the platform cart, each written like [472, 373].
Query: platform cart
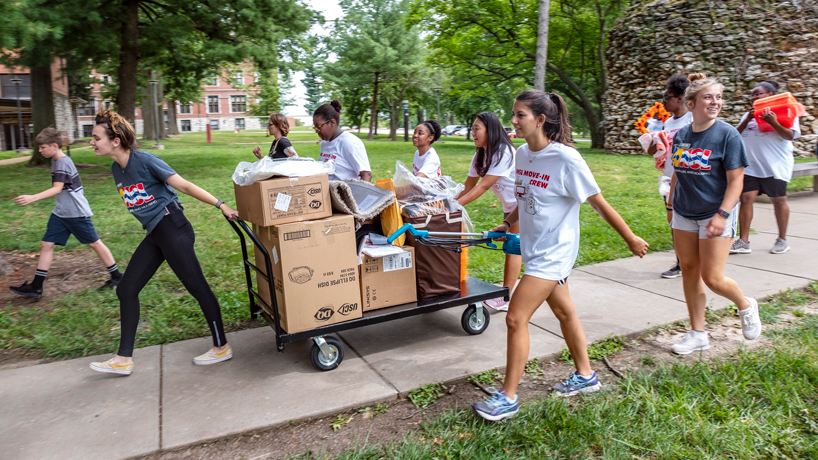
[327, 351]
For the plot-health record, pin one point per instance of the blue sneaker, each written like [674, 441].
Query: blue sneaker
[496, 407]
[577, 384]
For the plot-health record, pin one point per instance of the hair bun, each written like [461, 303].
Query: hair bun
[336, 104]
[696, 76]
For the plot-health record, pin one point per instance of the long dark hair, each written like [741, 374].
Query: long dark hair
[557, 127]
[497, 142]
[331, 111]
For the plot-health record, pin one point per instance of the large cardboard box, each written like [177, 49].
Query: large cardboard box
[388, 281]
[281, 200]
[315, 266]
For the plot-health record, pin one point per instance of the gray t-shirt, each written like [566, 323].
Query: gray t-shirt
[142, 186]
[71, 201]
[700, 162]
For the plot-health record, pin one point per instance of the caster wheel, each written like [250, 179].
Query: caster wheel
[471, 324]
[323, 363]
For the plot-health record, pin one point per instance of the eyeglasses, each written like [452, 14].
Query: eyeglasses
[669, 97]
[318, 128]
[269, 124]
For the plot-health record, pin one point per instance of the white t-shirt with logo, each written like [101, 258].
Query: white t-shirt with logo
[504, 187]
[349, 154]
[769, 154]
[672, 125]
[428, 163]
[551, 184]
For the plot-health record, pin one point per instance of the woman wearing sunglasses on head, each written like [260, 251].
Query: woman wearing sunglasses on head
[278, 127]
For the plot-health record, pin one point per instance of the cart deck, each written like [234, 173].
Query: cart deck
[327, 352]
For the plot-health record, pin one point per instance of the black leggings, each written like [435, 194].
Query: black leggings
[171, 240]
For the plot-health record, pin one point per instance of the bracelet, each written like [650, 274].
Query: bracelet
[507, 223]
[219, 204]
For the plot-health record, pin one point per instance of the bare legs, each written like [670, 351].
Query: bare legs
[527, 298]
[513, 264]
[703, 263]
[46, 255]
[782, 215]
[745, 214]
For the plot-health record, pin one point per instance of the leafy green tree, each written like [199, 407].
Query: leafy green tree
[313, 70]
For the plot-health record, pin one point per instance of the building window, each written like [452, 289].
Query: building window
[186, 126]
[214, 125]
[213, 104]
[184, 107]
[86, 110]
[240, 123]
[238, 78]
[107, 104]
[238, 103]
[212, 81]
[86, 130]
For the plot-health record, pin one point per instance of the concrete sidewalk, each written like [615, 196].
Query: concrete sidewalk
[65, 410]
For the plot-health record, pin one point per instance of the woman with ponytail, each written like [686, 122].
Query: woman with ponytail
[426, 162]
[552, 181]
[492, 167]
[345, 149]
[148, 187]
[708, 162]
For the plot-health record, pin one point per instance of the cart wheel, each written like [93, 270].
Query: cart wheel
[471, 323]
[323, 363]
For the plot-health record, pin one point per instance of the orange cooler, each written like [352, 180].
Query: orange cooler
[785, 107]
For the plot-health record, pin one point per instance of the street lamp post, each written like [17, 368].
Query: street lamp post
[405, 121]
[158, 146]
[17, 82]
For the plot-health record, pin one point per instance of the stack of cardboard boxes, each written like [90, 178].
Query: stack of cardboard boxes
[315, 263]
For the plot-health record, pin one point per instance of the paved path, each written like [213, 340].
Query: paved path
[12, 161]
[64, 410]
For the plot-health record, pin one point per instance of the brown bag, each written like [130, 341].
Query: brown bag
[438, 269]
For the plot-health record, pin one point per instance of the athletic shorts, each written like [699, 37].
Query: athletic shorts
[769, 186]
[699, 226]
[60, 228]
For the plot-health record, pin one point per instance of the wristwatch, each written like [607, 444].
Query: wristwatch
[723, 213]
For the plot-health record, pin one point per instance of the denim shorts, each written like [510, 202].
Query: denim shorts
[699, 226]
[60, 228]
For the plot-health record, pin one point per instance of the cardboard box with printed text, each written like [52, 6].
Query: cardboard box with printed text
[315, 267]
[281, 200]
[388, 281]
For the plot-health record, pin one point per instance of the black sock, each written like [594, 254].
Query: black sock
[39, 277]
[114, 271]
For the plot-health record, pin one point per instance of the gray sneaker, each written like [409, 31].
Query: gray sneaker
[750, 321]
[692, 341]
[674, 272]
[740, 247]
[780, 246]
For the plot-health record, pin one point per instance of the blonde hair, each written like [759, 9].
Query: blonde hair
[698, 82]
[280, 122]
[117, 127]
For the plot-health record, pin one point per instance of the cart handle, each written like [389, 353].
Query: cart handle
[425, 234]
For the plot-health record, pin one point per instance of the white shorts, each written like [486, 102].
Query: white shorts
[690, 225]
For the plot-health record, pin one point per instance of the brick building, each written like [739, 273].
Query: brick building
[224, 105]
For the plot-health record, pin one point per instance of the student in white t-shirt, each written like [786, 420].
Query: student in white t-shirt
[344, 148]
[674, 103]
[770, 169]
[426, 162]
[552, 181]
[492, 167]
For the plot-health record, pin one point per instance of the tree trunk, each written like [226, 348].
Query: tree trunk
[128, 60]
[420, 116]
[542, 45]
[373, 116]
[42, 109]
[393, 119]
[172, 125]
[148, 133]
[468, 129]
[160, 97]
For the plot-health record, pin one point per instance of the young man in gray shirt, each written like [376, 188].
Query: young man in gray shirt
[71, 216]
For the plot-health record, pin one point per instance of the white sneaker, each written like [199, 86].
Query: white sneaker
[750, 321]
[498, 304]
[740, 247]
[692, 341]
[213, 357]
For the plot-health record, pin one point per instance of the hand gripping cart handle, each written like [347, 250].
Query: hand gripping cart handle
[454, 241]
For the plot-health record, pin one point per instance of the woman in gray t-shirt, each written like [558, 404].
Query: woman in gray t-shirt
[708, 163]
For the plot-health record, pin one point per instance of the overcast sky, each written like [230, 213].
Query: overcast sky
[331, 11]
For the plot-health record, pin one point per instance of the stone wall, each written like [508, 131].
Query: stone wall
[740, 42]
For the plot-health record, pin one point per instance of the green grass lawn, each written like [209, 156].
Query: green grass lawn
[85, 322]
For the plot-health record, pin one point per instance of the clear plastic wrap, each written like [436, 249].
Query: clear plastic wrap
[428, 195]
[247, 173]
